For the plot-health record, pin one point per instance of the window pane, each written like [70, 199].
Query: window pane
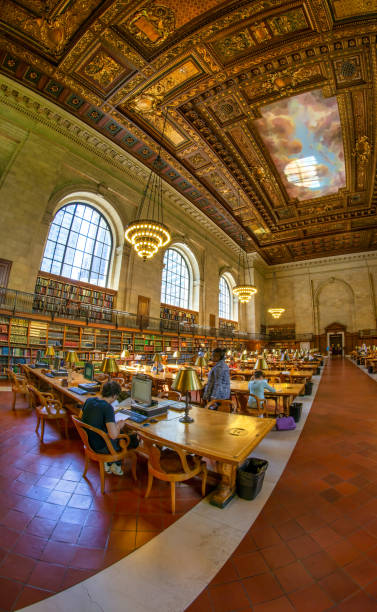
[73, 248]
[175, 280]
[225, 301]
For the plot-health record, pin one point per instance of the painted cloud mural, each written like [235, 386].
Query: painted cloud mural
[304, 138]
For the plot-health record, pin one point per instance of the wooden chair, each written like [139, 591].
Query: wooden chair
[19, 385]
[113, 455]
[172, 465]
[222, 405]
[48, 408]
[172, 395]
[238, 377]
[258, 410]
[271, 381]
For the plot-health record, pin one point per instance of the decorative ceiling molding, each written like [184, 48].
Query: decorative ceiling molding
[39, 110]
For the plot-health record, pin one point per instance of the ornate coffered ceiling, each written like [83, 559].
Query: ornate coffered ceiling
[271, 119]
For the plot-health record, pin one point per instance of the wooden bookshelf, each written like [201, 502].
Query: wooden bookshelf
[181, 315]
[66, 297]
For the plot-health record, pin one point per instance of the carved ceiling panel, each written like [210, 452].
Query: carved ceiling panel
[250, 91]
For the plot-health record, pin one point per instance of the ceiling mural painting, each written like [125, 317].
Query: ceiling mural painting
[304, 138]
[270, 127]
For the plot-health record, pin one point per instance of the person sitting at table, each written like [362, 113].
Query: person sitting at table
[99, 412]
[257, 386]
[157, 368]
[218, 385]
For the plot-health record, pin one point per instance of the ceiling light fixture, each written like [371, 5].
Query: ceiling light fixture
[275, 312]
[148, 233]
[243, 291]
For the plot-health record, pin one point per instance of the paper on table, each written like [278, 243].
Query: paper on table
[121, 417]
[115, 404]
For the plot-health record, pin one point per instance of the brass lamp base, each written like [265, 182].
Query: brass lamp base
[186, 418]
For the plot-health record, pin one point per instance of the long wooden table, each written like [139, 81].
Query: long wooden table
[225, 438]
[287, 391]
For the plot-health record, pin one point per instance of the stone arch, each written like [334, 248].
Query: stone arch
[334, 300]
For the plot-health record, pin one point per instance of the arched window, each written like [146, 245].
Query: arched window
[225, 299]
[79, 245]
[176, 280]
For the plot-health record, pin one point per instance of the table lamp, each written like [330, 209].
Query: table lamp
[157, 359]
[71, 359]
[177, 355]
[202, 362]
[109, 366]
[185, 381]
[125, 354]
[206, 355]
[50, 353]
[261, 364]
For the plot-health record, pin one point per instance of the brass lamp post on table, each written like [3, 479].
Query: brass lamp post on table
[157, 359]
[202, 362]
[50, 354]
[185, 381]
[176, 355]
[109, 366]
[71, 359]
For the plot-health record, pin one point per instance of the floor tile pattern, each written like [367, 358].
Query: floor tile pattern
[56, 528]
[314, 545]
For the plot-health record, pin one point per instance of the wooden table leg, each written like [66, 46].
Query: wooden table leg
[227, 488]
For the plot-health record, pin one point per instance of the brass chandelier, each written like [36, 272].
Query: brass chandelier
[243, 291]
[148, 233]
[275, 312]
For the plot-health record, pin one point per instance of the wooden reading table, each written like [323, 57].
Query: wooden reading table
[225, 438]
[287, 391]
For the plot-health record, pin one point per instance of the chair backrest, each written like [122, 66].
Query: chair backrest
[25, 372]
[238, 377]
[274, 379]
[222, 405]
[259, 408]
[83, 428]
[172, 395]
[154, 454]
[18, 384]
[38, 398]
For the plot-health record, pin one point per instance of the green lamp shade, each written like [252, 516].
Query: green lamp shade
[201, 361]
[109, 366]
[186, 380]
[72, 357]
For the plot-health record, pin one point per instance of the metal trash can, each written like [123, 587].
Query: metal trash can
[250, 477]
[295, 410]
[308, 387]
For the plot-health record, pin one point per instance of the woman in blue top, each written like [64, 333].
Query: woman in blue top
[257, 387]
[218, 385]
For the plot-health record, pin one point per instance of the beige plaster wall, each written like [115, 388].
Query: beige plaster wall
[319, 292]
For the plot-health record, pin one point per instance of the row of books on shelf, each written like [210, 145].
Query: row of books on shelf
[64, 290]
[176, 314]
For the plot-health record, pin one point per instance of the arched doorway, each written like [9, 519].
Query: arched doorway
[336, 338]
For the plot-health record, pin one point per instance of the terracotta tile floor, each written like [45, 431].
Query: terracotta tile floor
[314, 545]
[56, 528]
